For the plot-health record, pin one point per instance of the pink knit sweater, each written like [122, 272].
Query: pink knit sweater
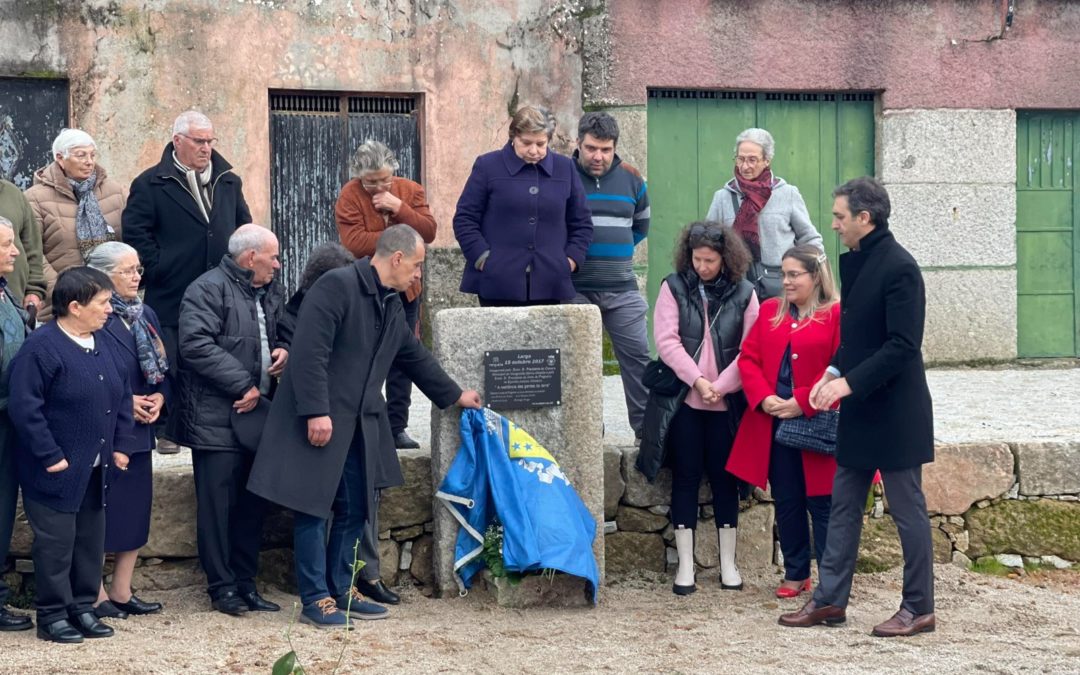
[670, 348]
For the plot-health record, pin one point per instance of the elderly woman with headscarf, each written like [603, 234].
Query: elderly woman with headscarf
[135, 333]
[766, 211]
[71, 406]
[76, 203]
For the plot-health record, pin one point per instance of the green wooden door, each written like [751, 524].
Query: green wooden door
[1047, 246]
[822, 140]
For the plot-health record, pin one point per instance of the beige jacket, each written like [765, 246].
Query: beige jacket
[54, 204]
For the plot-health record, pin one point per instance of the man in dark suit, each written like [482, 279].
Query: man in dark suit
[329, 425]
[179, 217]
[886, 420]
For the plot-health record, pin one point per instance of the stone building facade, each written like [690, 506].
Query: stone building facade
[950, 83]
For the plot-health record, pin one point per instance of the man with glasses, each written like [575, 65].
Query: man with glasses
[372, 201]
[179, 217]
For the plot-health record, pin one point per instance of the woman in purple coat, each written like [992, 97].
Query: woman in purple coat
[522, 221]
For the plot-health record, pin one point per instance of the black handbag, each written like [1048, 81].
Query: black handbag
[817, 433]
[660, 379]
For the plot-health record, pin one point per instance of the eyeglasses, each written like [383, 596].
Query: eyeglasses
[208, 142]
[83, 156]
[705, 232]
[792, 276]
[372, 184]
[748, 161]
[135, 272]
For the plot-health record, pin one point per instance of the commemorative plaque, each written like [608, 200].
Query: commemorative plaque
[522, 378]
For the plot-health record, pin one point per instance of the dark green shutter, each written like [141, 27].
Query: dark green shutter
[822, 140]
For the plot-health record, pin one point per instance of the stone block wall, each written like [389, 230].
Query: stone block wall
[1019, 499]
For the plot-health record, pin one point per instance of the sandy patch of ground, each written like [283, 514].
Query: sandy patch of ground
[986, 624]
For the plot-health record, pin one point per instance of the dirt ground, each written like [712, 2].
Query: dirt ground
[985, 624]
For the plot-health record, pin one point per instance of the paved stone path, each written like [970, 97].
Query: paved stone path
[970, 406]
[1006, 405]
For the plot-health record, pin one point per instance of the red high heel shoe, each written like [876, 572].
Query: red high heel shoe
[785, 592]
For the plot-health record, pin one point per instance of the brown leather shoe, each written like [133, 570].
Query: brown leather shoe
[905, 624]
[812, 615]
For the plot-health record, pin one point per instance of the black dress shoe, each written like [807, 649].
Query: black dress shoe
[109, 610]
[402, 441]
[137, 607]
[59, 631]
[230, 603]
[88, 624]
[377, 591]
[257, 603]
[10, 621]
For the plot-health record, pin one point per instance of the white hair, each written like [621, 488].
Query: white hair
[191, 119]
[250, 237]
[759, 136]
[106, 256]
[68, 140]
[370, 157]
[4, 222]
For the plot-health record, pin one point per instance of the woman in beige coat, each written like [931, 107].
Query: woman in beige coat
[76, 204]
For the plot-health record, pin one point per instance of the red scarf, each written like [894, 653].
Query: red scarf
[755, 193]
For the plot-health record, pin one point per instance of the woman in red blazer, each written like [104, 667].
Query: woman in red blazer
[785, 353]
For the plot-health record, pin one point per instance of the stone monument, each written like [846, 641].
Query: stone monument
[571, 429]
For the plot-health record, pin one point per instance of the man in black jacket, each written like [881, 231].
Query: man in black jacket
[886, 419]
[179, 217]
[328, 442]
[229, 354]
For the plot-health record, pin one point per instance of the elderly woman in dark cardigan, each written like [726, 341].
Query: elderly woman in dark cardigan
[134, 331]
[71, 406]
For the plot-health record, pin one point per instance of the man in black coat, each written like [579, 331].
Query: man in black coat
[886, 419]
[328, 435]
[179, 217]
[229, 354]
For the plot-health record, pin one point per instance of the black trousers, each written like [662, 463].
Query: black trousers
[788, 486]
[699, 442]
[398, 385]
[68, 552]
[165, 427]
[228, 520]
[9, 494]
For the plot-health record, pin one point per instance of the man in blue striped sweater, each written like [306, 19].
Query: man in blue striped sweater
[620, 214]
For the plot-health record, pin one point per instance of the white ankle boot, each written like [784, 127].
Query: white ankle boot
[730, 580]
[684, 576]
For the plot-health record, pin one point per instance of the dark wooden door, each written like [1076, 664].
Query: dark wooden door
[312, 137]
[32, 113]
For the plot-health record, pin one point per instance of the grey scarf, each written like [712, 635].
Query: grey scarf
[198, 184]
[90, 226]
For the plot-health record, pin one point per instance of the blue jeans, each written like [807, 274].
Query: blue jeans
[324, 564]
[789, 493]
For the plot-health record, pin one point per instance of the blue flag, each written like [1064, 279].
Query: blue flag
[501, 472]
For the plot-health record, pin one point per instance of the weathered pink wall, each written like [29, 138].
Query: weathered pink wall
[919, 54]
[134, 66]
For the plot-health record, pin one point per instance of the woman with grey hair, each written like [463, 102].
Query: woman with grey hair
[766, 211]
[135, 334]
[77, 205]
[373, 200]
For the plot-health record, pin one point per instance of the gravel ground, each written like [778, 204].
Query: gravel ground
[986, 624]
